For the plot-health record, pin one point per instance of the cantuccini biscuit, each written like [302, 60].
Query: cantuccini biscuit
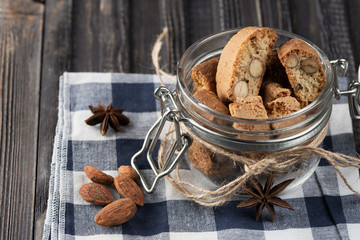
[282, 106]
[200, 157]
[204, 74]
[304, 70]
[250, 107]
[273, 90]
[210, 100]
[207, 162]
[243, 62]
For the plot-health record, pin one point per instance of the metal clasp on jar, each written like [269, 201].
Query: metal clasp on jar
[340, 67]
[169, 113]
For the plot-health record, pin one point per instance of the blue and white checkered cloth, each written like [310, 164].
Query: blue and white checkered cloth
[324, 207]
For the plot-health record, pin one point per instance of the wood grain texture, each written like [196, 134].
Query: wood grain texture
[173, 12]
[20, 38]
[145, 25]
[117, 36]
[353, 9]
[306, 21]
[276, 14]
[241, 13]
[100, 36]
[56, 59]
[190, 20]
[326, 24]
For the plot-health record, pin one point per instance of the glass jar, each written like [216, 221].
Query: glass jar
[222, 130]
[195, 121]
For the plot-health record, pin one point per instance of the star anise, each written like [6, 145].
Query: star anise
[265, 196]
[107, 116]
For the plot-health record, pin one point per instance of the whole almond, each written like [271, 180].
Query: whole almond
[129, 189]
[96, 193]
[256, 68]
[128, 171]
[98, 176]
[116, 213]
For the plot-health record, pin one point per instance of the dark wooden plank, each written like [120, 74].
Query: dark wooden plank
[326, 23]
[114, 35]
[241, 13]
[100, 36]
[276, 14]
[353, 9]
[21, 25]
[86, 36]
[145, 23]
[56, 59]
[199, 20]
[190, 20]
[174, 20]
[306, 21]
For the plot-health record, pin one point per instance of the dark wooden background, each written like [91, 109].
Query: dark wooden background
[41, 40]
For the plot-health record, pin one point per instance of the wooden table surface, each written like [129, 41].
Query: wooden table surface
[41, 40]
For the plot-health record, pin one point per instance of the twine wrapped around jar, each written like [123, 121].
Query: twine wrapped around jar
[256, 164]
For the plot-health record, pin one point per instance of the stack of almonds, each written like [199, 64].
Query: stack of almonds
[115, 212]
[252, 80]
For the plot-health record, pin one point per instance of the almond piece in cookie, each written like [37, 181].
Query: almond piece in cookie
[251, 107]
[243, 63]
[304, 70]
[203, 75]
[210, 100]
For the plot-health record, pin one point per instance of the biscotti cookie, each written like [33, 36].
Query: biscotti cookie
[273, 90]
[282, 106]
[304, 70]
[210, 100]
[250, 107]
[200, 157]
[204, 74]
[204, 160]
[243, 62]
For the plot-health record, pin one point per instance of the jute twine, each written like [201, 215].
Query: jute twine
[256, 164]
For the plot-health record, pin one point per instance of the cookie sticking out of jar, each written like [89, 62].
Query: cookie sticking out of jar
[304, 70]
[242, 63]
